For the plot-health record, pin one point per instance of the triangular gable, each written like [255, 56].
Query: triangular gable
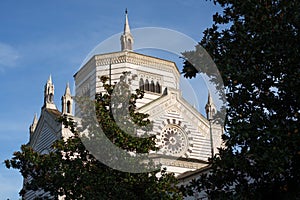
[171, 111]
[47, 131]
[173, 102]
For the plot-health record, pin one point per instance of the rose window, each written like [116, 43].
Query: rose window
[173, 141]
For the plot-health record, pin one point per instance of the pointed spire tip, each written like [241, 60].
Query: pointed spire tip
[50, 79]
[126, 37]
[67, 90]
[35, 118]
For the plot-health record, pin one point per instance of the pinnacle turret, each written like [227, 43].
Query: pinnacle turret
[126, 37]
[210, 107]
[67, 101]
[34, 124]
[49, 94]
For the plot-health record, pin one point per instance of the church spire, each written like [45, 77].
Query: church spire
[67, 101]
[210, 107]
[126, 37]
[126, 25]
[49, 94]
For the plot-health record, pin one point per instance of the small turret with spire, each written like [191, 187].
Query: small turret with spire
[67, 101]
[210, 107]
[49, 94]
[33, 125]
[126, 37]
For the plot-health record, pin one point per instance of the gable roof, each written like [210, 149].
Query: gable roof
[54, 113]
[48, 126]
[167, 97]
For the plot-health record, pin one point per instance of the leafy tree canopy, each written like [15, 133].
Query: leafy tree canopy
[72, 171]
[255, 45]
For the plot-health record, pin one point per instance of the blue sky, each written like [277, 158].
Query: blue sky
[38, 38]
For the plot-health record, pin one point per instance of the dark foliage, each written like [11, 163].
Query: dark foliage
[255, 45]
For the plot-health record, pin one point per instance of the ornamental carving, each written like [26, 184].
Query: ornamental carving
[137, 59]
[173, 141]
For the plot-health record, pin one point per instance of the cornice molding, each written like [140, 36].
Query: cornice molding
[136, 59]
[180, 163]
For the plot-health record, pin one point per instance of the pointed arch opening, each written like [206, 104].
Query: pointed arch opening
[157, 88]
[152, 87]
[141, 84]
[146, 85]
[129, 44]
[68, 107]
[50, 98]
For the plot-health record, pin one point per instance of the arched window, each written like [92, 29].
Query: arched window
[68, 107]
[157, 88]
[50, 98]
[142, 87]
[152, 87]
[147, 85]
[129, 44]
[213, 111]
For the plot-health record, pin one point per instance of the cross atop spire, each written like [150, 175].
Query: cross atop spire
[126, 37]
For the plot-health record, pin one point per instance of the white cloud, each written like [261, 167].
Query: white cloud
[8, 56]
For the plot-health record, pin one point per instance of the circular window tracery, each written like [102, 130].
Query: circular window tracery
[173, 140]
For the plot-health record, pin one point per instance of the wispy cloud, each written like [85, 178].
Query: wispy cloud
[8, 56]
